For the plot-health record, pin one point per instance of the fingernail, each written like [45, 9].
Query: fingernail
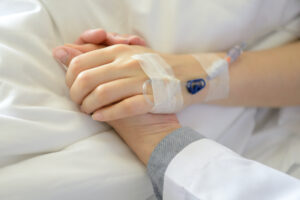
[62, 55]
[98, 116]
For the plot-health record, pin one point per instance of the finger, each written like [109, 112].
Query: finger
[132, 106]
[114, 38]
[136, 40]
[85, 47]
[87, 61]
[99, 36]
[65, 54]
[89, 79]
[111, 92]
[94, 36]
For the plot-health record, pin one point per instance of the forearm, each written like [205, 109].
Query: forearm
[262, 78]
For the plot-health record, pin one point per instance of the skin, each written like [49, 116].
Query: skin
[142, 132]
[107, 84]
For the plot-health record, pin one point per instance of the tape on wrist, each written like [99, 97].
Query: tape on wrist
[217, 75]
[166, 87]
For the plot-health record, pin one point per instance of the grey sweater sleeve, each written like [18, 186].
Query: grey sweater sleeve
[164, 152]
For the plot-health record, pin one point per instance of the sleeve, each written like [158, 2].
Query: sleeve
[186, 166]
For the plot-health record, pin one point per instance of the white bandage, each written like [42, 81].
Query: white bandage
[218, 75]
[166, 87]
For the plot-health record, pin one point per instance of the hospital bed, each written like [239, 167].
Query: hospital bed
[49, 150]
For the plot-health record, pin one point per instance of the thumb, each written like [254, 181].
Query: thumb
[64, 54]
[94, 36]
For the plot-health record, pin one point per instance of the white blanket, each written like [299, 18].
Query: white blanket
[49, 150]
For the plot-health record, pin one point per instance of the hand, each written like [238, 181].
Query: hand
[142, 133]
[108, 82]
[91, 40]
[99, 36]
[111, 94]
[99, 78]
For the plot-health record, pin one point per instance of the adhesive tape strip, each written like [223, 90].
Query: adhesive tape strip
[166, 87]
[218, 75]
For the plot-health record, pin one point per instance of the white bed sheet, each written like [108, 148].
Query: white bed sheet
[49, 150]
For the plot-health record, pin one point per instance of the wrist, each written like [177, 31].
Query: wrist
[146, 145]
[185, 68]
[142, 133]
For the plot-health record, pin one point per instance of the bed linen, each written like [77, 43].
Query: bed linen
[49, 150]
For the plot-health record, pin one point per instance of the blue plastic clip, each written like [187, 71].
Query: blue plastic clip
[194, 86]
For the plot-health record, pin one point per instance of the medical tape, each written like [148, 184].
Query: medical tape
[166, 87]
[217, 75]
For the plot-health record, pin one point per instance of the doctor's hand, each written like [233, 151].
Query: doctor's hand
[100, 36]
[91, 40]
[142, 133]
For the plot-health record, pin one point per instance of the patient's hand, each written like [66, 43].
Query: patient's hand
[108, 82]
[91, 40]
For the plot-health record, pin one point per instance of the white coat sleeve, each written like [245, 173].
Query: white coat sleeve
[185, 166]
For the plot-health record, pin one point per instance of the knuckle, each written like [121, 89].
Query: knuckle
[75, 61]
[102, 93]
[79, 86]
[83, 79]
[131, 63]
[75, 65]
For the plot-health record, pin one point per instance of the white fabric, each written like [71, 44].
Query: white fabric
[98, 167]
[166, 87]
[48, 149]
[38, 122]
[221, 174]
